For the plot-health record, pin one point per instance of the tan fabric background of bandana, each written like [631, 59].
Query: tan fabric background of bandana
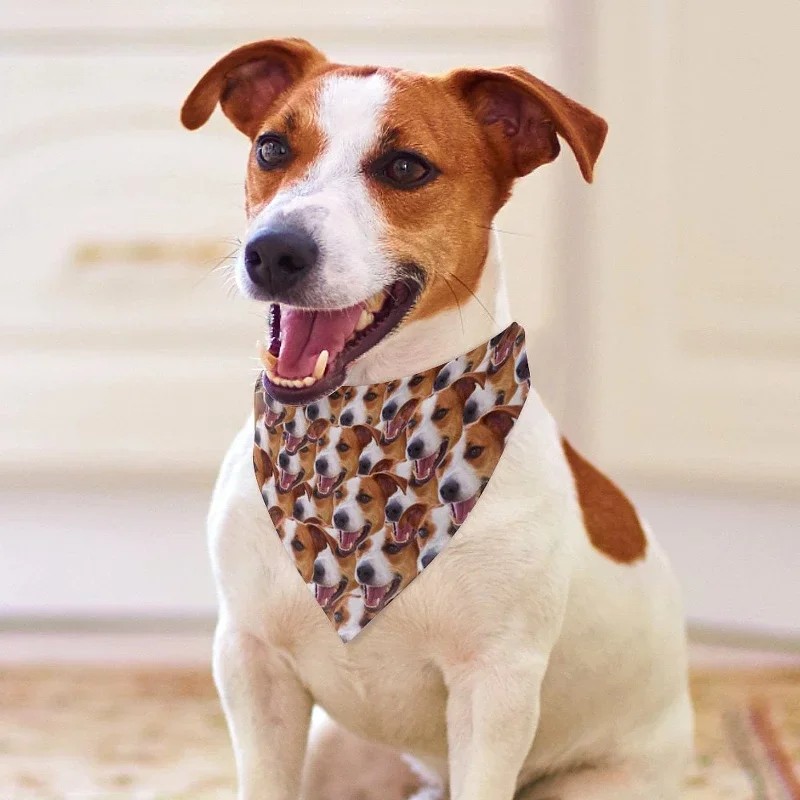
[367, 486]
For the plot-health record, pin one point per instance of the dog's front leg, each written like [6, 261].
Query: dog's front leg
[268, 712]
[492, 715]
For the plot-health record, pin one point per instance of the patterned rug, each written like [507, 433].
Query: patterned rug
[148, 733]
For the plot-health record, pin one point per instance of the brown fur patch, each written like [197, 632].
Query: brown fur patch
[609, 517]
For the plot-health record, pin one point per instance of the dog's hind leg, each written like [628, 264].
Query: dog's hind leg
[342, 766]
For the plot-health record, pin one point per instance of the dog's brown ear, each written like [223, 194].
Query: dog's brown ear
[390, 483]
[317, 536]
[276, 515]
[384, 465]
[414, 514]
[501, 419]
[523, 117]
[366, 434]
[302, 489]
[317, 428]
[248, 80]
[465, 385]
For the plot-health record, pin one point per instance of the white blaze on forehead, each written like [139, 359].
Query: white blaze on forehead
[332, 201]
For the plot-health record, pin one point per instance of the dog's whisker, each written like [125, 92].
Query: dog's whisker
[478, 300]
[455, 297]
[505, 232]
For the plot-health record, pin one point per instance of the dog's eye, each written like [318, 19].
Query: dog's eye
[338, 616]
[423, 533]
[440, 413]
[342, 447]
[348, 395]
[392, 549]
[363, 497]
[272, 151]
[335, 395]
[416, 380]
[338, 494]
[304, 449]
[297, 545]
[363, 546]
[405, 170]
[473, 452]
[370, 396]
[412, 423]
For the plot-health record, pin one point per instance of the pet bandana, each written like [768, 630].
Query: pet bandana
[368, 485]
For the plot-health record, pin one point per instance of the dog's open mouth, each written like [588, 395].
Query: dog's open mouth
[500, 352]
[293, 443]
[424, 467]
[310, 349]
[349, 540]
[328, 595]
[326, 485]
[288, 480]
[376, 597]
[460, 509]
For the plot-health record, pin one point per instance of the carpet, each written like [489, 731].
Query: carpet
[160, 733]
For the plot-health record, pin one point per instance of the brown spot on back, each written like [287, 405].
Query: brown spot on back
[609, 517]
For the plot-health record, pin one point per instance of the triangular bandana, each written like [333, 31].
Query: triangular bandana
[368, 485]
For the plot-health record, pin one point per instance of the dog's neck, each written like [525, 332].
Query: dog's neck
[430, 342]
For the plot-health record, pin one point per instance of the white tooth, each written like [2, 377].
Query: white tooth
[297, 383]
[267, 359]
[364, 320]
[272, 375]
[309, 380]
[322, 362]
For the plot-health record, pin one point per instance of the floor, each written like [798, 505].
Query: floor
[122, 724]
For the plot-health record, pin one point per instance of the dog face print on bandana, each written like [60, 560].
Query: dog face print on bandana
[368, 485]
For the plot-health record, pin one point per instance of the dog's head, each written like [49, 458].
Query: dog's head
[362, 404]
[469, 465]
[434, 534]
[384, 566]
[360, 506]
[370, 192]
[338, 453]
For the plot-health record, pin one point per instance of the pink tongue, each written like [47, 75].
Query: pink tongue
[461, 509]
[347, 539]
[425, 465]
[324, 594]
[374, 594]
[305, 334]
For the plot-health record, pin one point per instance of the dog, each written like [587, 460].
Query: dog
[334, 573]
[434, 532]
[370, 196]
[362, 405]
[360, 507]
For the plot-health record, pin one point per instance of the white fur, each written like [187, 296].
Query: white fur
[522, 653]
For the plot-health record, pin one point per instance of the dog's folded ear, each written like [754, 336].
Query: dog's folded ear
[523, 117]
[390, 483]
[248, 80]
[500, 420]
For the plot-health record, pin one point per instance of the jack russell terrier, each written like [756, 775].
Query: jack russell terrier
[542, 654]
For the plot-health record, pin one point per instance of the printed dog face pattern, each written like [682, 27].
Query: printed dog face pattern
[367, 488]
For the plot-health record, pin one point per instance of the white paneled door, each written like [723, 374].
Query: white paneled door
[697, 273]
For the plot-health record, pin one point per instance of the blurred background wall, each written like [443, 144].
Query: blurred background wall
[663, 303]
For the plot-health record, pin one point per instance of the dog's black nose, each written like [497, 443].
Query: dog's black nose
[470, 412]
[364, 466]
[426, 559]
[312, 411]
[389, 410]
[340, 520]
[283, 460]
[365, 573]
[321, 465]
[319, 572]
[346, 418]
[297, 511]
[441, 380]
[289, 426]
[449, 490]
[415, 448]
[523, 370]
[276, 260]
[394, 510]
